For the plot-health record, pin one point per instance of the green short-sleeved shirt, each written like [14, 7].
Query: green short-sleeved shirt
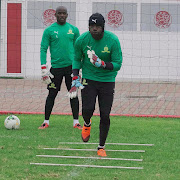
[60, 39]
[107, 49]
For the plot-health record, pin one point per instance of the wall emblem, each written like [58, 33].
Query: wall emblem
[49, 17]
[162, 19]
[115, 18]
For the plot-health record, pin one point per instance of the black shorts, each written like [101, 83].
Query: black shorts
[59, 73]
[103, 90]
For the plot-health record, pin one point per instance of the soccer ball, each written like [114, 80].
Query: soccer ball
[12, 122]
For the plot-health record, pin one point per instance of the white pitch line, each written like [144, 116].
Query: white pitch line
[127, 144]
[68, 149]
[93, 166]
[81, 157]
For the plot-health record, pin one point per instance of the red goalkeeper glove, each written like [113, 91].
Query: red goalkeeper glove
[95, 60]
[46, 75]
[73, 92]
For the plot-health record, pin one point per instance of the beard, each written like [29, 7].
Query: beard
[97, 35]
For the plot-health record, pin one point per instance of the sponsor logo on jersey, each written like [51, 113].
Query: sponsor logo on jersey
[56, 32]
[52, 85]
[70, 31]
[89, 47]
[106, 50]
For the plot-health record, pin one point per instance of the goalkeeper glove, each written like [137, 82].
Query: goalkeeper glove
[95, 60]
[73, 92]
[46, 75]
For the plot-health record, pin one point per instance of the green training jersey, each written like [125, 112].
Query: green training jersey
[60, 39]
[107, 49]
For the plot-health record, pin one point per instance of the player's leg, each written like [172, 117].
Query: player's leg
[73, 102]
[53, 88]
[50, 103]
[105, 99]
[88, 94]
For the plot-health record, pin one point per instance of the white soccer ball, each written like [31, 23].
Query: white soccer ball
[12, 122]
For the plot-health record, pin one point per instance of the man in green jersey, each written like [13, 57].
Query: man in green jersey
[98, 53]
[60, 37]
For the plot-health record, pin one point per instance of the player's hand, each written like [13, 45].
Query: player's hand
[46, 75]
[95, 60]
[73, 92]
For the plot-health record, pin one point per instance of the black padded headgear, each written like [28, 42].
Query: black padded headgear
[97, 19]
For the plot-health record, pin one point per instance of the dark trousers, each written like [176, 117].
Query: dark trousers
[55, 86]
[104, 91]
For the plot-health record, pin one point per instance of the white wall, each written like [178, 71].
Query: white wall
[146, 55]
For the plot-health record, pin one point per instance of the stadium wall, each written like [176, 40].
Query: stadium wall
[151, 47]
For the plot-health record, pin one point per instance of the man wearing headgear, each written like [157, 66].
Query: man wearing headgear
[98, 53]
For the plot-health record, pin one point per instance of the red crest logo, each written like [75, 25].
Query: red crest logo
[49, 17]
[162, 19]
[115, 18]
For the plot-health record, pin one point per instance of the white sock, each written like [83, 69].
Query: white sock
[101, 147]
[87, 125]
[75, 122]
[46, 121]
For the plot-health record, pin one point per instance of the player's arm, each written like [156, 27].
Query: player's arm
[116, 56]
[44, 46]
[77, 34]
[97, 62]
[78, 55]
[46, 75]
[76, 84]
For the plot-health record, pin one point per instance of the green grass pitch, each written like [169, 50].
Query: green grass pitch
[18, 148]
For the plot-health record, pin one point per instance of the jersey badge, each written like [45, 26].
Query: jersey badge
[106, 50]
[70, 31]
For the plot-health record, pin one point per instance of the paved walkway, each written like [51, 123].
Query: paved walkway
[131, 98]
